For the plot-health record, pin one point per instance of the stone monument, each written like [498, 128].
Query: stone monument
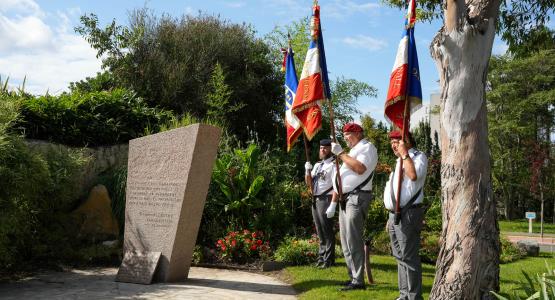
[168, 174]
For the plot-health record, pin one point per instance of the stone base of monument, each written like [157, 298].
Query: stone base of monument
[168, 174]
[138, 267]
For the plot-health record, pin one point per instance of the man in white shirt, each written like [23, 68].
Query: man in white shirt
[356, 181]
[405, 235]
[319, 179]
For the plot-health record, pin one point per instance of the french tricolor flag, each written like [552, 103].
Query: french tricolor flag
[405, 77]
[314, 85]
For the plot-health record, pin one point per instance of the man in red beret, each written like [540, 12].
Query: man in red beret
[356, 172]
[320, 179]
[405, 235]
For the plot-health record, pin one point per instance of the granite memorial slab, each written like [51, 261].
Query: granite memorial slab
[168, 175]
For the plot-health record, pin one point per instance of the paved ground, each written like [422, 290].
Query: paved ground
[547, 243]
[203, 283]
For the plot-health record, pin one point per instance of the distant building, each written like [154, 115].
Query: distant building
[428, 111]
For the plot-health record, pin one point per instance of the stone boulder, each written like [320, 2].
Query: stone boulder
[94, 217]
[532, 248]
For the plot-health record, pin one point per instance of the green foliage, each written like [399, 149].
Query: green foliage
[509, 252]
[381, 243]
[536, 287]
[249, 191]
[115, 182]
[429, 247]
[236, 176]
[520, 117]
[298, 32]
[169, 62]
[538, 39]
[219, 97]
[433, 219]
[243, 246]
[89, 119]
[297, 251]
[103, 81]
[376, 218]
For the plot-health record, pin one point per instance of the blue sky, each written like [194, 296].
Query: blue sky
[37, 38]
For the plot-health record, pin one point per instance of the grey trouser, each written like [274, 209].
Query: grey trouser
[351, 228]
[405, 243]
[324, 229]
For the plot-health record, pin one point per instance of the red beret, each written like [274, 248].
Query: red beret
[352, 127]
[395, 134]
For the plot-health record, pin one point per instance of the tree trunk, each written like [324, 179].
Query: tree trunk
[468, 261]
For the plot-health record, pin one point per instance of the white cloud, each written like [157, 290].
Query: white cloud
[342, 9]
[42, 48]
[293, 9]
[24, 32]
[235, 4]
[189, 11]
[365, 42]
[20, 6]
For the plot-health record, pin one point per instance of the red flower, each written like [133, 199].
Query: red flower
[223, 247]
[254, 234]
[248, 241]
[259, 242]
[220, 242]
[246, 231]
[233, 243]
[253, 247]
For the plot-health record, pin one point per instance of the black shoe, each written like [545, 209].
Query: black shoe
[346, 283]
[352, 286]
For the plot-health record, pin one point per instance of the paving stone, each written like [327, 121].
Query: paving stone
[98, 283]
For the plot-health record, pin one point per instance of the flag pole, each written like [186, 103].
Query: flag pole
[403, 133]
[332, 128]
[307, 153]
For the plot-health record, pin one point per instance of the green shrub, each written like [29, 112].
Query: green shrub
[377, 218]
[36, 193]
[89, 119]
[381, 243]
[297, 251]
[115, 182]
[259, 194]
[433, 219]
[429, 247]
[510, 252]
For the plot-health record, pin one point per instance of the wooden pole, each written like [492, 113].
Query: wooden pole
[406, 122]
[307, 154]
[332, 128]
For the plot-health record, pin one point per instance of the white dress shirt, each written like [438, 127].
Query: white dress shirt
[408, 187]
[322, 176]
[365, 153]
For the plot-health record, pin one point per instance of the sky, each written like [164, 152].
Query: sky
[38, 42]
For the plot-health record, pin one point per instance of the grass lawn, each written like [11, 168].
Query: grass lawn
[522, 226]
[314, 283]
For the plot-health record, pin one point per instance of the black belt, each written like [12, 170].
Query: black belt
[353, 192]
[417, 205]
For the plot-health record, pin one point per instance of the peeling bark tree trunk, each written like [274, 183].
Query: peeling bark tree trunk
[468, 261]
